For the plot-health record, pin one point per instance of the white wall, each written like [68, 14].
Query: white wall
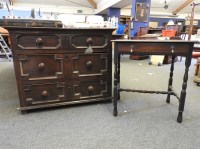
[126, 12]
[52, 8]
[104, 4]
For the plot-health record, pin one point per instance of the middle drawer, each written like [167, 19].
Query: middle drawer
[35, 67]
[41, 66]
[82, 65]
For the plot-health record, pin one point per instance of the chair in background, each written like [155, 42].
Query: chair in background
[197, 72]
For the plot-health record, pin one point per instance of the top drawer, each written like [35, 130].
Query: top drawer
[35, 42]
[85, 41]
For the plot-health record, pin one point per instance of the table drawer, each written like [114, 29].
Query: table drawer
[36, 94]
[88, 64]
[87, 89]
[41, 66]
[38, 42]
[154, 48]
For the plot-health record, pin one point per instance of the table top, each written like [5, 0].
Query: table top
[153, 41]
[56, 28]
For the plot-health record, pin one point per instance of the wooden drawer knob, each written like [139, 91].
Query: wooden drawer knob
[132, 48]
[39, 41]
[44, 94]
[41, 66]
[89, 41]
[89, 64]
[90, 89]
[172, 48]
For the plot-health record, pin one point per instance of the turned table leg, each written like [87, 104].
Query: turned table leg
[183, 92]
[170, 79]
[116, 77]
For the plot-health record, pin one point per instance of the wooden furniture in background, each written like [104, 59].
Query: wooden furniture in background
[197, 72]
[191, 30]
[57, 66]
[125, 19]
[153, 47]
[147, 30]
[4, 33]
[5, 51]
[186, 29]
[142, 31]
[155, 31]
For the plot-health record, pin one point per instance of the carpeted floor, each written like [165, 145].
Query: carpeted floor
[145, 121]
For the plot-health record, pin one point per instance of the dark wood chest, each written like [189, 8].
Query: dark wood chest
[57, 67]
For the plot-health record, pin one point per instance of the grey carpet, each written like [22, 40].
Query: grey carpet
[145, 121]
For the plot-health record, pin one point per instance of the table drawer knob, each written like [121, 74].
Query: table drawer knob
[39, 41]
[89, 64]
[44, 94]
[41, 66]
[90, 89]
[132, 48]
[172, 48]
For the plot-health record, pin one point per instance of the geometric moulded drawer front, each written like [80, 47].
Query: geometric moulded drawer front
[89, 64]
[41, 66]
[39, 42]
[90, 89]
[95, 41]
[43, 93]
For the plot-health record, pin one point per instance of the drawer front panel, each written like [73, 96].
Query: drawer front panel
[153, 48]
[35, 42]
[44, 93]
[90, 89]
[42, 66]
[89, 64]
[84, 41]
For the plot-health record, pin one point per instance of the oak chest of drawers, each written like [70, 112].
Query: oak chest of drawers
[58, 66]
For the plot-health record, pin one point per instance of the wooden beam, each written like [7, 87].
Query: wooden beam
[191, 22]
[92, 2]
[182, 6]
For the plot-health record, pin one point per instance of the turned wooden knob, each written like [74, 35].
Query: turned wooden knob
[41, 66]
[44, 93]
[89, 41]
[172, 48]
[39, 41]
[89, 64]
[90, 89]
[132, 48]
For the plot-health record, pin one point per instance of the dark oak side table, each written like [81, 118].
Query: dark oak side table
[153, 47]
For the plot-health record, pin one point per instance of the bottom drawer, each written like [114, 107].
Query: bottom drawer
[86, 89]
[35, 94]
[40, 95]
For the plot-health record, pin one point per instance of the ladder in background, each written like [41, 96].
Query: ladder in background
[4, 49]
